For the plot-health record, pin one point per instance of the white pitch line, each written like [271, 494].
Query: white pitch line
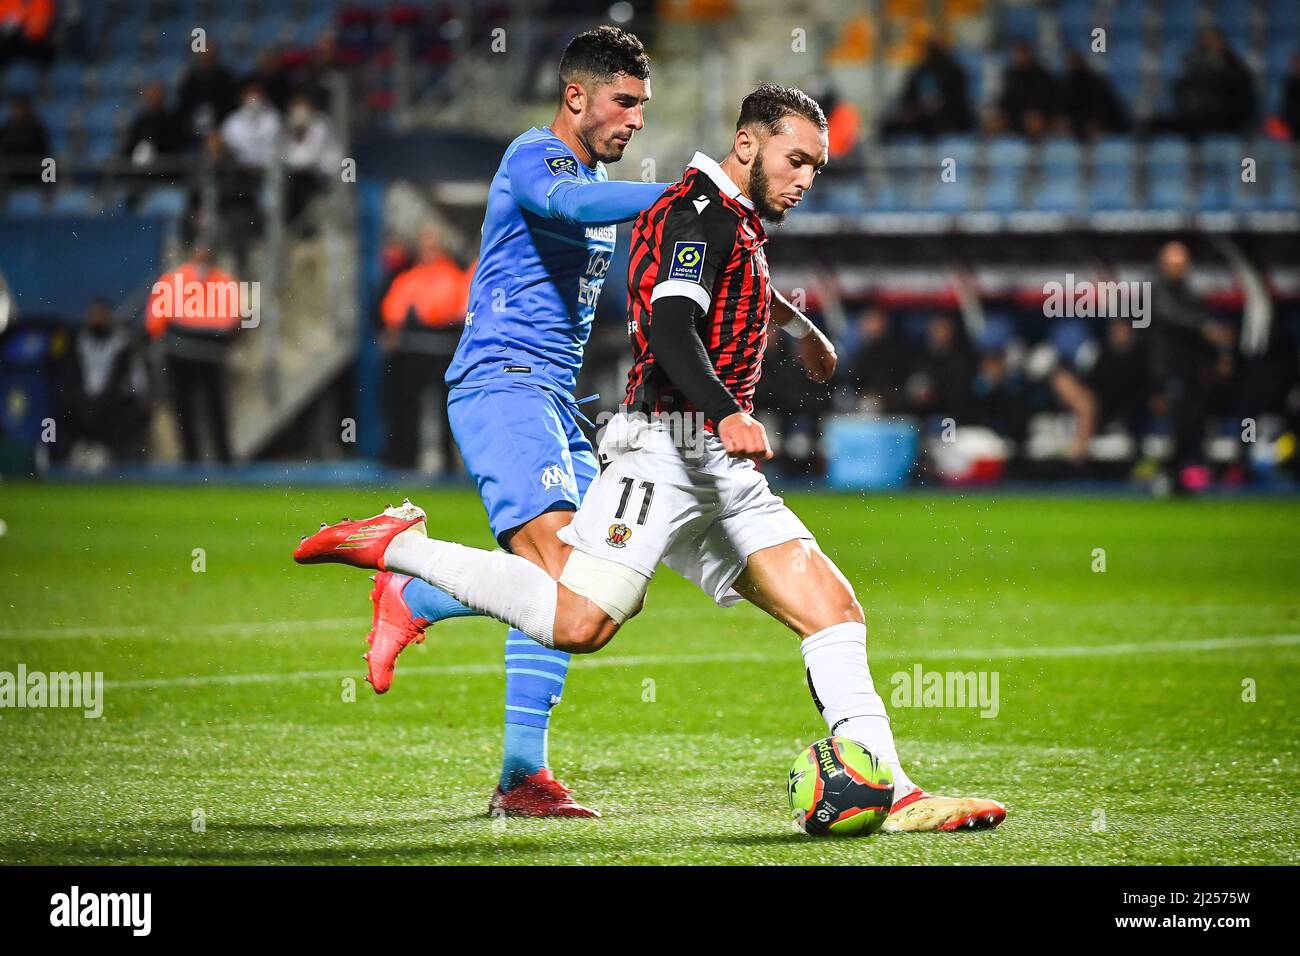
[967, 653]
[362, 620]
[142, 630]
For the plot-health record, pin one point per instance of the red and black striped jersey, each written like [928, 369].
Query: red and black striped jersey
[703, 240]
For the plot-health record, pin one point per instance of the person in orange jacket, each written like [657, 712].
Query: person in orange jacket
[195, 310]
[423, 314]
[25, 27]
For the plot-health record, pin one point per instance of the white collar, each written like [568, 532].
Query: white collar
[711, 169]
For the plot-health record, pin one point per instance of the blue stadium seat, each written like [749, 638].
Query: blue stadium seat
[1078, 19]
[963, 149]
[1282, 17]
[22, 77]
[1020, 23]
[1213, 189]
[115, 76]
[884, 196]
[1003, 192]
[1275, 187]
[25, 202]
[67, 78]
[57, 113]
[103, 118]
[1167, 188]
[1181, 11]
[168, 201]
[1112, 187]
[74, 200]
[1168, 149]
[1059, 153]
[99, 147]
[1278, 53]
[1056, 190]
[60, 140]
[956, 196]
[1114, 150]
[1008, 151]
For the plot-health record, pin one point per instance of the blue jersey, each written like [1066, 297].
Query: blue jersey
[548, 236]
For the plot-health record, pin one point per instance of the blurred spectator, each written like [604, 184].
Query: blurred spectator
[878, 366]
[155, 133]
[1089, 104]
[934, 99]
[1070, 392]
[311, 153]
[25, 27]
[1185, 341]
[208, 94]
[940, 384]
[423, 314]
[269, 76]
[844, 125]
[1030, 98]
[1215, 92]
[196, 331]
[106, 399]
[224, 202]
[1119, 378]
[24, 143]
[999, 400]
[251, 132]
[798, 405]
[311, 73]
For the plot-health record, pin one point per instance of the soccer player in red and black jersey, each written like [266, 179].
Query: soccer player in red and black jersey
[699, 291]
[701, 303]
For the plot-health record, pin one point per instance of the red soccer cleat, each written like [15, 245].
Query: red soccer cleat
[920, 811]
[540, 795]
[393, 628]
[359, 543]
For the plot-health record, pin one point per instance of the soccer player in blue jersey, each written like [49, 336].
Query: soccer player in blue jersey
[548, 236]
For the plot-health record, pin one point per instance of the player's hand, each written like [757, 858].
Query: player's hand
[744, 437]
[817, 356]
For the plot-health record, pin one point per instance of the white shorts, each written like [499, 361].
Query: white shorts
[699, 511]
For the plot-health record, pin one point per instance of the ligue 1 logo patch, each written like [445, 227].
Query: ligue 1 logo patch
[561, 164]
[688, 260]
[618, 535]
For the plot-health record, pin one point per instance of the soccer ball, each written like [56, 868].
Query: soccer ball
[839, 788]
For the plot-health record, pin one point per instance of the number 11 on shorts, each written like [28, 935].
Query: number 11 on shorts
[646, 486]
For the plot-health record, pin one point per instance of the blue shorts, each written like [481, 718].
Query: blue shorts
[523, 446]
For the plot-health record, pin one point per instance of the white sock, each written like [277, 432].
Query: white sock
[841, 684]
[509, 588]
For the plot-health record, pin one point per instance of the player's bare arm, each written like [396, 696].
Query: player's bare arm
[815, 351]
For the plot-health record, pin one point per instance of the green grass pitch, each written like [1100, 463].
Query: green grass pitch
[1125, 732]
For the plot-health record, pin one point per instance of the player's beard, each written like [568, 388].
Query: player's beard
[759, 189]
[604, 147]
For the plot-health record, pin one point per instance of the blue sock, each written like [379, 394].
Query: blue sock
[430, 603]
[534, 681]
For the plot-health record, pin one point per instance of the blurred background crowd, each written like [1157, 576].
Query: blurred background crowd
[326, 163]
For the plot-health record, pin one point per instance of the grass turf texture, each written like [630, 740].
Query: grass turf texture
[1121, 734]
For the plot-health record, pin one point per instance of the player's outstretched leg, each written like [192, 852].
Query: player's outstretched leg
[798, 585]
[509, 588]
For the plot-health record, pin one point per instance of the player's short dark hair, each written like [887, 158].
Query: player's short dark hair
[602, 54]
[769, 104]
